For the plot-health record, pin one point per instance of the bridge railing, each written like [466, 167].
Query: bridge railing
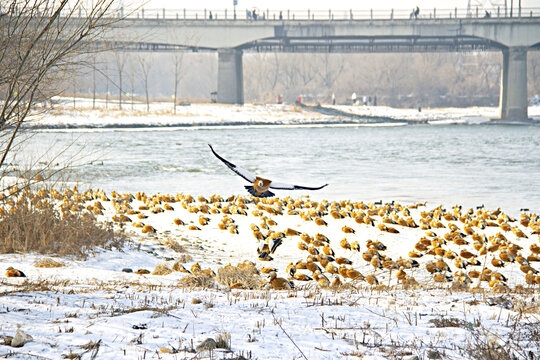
[318, 15]
[328, 15]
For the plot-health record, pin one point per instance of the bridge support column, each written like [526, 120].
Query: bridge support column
[230, 78]
[513, 98]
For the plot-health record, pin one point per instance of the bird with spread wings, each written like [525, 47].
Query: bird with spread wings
[259, 186]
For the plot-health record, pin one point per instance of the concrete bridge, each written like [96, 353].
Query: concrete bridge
[231, 36]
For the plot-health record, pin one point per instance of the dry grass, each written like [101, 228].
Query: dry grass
[199, 279]
[228, 276]
[48, 263]
[162, 269]
[224, 341]
[173, 245]
[485, 346]
[27, 228]
[443, 322]
[184, 258]
[459, 286]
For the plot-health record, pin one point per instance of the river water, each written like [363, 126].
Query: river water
[494, 165]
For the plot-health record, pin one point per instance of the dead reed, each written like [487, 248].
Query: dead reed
[45, 230]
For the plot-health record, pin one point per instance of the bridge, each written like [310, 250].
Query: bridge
[232, 34]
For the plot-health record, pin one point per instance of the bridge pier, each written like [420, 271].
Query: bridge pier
[230, 77]
[513, 98]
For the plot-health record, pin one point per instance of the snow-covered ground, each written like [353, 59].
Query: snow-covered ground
[94, 309]
[68, 310]
[84, 115]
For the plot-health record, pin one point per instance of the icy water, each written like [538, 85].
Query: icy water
[495, 165]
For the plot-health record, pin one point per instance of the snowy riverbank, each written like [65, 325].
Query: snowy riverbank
[69, 309]
[84, 116]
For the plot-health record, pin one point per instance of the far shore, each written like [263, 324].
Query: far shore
[83, 113]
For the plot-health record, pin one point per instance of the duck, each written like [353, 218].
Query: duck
[344, 243]
[440, 277]
[401, 274]
[327, 250]
[260, 186]
[12, 272]
[354, 274]
[343, 261]
[291, 269]
[279, 283]
[196, 268]
[302, 277]
[348, 230]
[331, 268]
[321, 279]
[148, 229]
[372, 280]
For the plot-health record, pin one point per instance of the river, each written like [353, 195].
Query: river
[471, 165]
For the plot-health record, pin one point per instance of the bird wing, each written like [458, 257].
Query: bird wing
[284, 186]
[247, 175]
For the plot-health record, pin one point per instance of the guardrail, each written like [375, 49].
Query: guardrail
[328, 15]
[256, 14]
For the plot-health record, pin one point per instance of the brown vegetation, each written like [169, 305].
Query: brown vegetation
[198, 279]
[48, 263]
[25, 228]
[239, 277]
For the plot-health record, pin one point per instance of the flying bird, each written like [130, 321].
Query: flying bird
[259, 186]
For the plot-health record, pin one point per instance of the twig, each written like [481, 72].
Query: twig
[282, 329]
[316, 348]
[174, 316]
[381, 315]
[95, 350]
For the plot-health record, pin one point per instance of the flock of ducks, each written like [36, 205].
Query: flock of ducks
[455, 245]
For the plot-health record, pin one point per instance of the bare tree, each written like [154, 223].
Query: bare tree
[305, 69]
[177, 58]
[120, 60]
[330, 68]
[272, 70]
[40, 39]
[106, 73]
[132, 74]
[145, 63]
[93, 81]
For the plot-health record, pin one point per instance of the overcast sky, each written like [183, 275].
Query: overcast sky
[324, 5]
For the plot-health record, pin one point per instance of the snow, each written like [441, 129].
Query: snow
[67, 309]
[196, 115]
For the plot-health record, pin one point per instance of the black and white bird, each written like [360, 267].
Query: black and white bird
[259, 186]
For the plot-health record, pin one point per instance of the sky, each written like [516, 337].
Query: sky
[324, 5]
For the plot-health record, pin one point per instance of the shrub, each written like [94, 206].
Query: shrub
[30, 226]
[231, 275]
